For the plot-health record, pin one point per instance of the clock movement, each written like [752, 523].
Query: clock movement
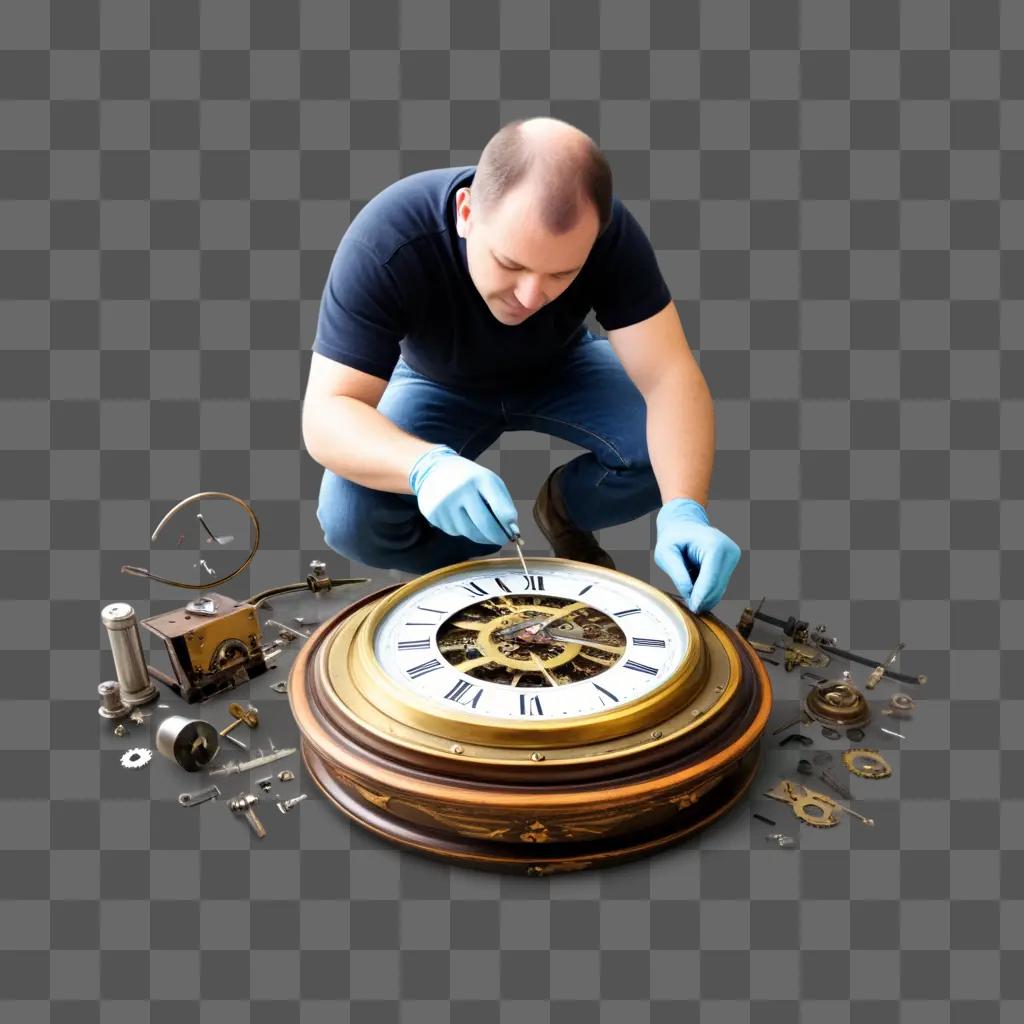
[556, 719]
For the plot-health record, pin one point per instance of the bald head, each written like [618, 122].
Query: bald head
[561, 167]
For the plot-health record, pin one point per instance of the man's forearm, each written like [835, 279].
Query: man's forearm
[681, 435]
[355, 441]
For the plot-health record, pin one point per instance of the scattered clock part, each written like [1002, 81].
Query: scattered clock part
[284, 806]
[138, 716]
[189, 742]
[901, 705]
[829, 733]
[879, 670]
[191, 799]
[890, 732]
[281, 686]
[837, 703]
[780, 840]
[249, 716]
[243, 804]
[134, 570]
[868, 764]
[810, 807]
[287, 775]
[804, 767]
[855, 735]
[137, 757]
[122, 628]
[799, 654]
[120, 730]
[111, 705]
[800, 633]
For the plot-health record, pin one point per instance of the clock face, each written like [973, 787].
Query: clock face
[555, 644]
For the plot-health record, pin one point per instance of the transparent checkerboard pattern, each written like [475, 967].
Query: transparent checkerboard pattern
[835, 191]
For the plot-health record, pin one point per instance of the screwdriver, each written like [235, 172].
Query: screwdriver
[512, 536]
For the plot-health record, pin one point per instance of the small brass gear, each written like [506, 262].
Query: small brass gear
[868, 764]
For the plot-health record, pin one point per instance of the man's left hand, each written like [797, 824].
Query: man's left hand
[685, 538]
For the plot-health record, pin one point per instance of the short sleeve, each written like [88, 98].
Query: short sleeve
[629, 286]
[361, 321]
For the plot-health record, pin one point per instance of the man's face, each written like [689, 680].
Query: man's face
[516, 265]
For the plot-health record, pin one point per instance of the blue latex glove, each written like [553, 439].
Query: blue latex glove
[686, 540]
[451, 490]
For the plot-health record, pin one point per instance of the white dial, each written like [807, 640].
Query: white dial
[554, 644]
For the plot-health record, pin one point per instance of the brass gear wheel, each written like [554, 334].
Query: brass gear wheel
[868, 764]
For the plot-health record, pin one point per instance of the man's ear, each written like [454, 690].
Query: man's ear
[462, 212]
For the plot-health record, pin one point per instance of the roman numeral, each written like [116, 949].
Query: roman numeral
[420, 623]
[501, 583]
[627, 611]
[414, 645]
[534, 582]
[434, 610]
[475, 589]
[637, 667]
[598, 686]
[642, 641]
[422, 670]
[528, 704]
[585, 589]
[458, 691]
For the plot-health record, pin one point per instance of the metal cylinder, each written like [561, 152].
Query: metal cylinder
[190, 742]
[129, 659]
[111, 705]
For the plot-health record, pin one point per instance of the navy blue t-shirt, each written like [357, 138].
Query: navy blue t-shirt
[399, 284]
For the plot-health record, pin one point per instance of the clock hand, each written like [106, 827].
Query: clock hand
[537, 625]
[543, 671]
[611, 648]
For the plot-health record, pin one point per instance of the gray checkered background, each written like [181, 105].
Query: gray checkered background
[835, 191]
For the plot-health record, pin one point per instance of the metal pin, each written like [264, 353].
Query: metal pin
[898, 735]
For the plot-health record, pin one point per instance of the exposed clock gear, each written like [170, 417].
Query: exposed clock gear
[531, 641]
[868, 764]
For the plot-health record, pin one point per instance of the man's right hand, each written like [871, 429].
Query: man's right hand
[451, 491]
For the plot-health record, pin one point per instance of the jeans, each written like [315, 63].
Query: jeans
[589, 401]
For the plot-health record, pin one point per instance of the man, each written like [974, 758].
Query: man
[454, 311]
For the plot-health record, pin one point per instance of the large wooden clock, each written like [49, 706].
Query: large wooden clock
[563, 718]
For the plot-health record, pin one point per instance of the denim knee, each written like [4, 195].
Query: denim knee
[356, 523]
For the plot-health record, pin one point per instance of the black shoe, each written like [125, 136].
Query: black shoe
[566, 539]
